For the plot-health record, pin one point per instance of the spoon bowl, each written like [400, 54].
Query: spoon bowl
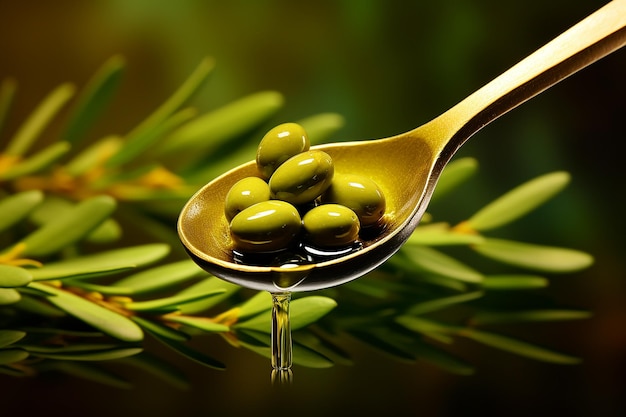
[406, 166]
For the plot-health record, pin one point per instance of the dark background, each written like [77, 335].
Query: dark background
[387, 67]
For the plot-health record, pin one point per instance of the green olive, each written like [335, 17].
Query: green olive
[244, 193]
[331, 225]
[361, 194]
[302, 178]
[265, 227]
[279, 144]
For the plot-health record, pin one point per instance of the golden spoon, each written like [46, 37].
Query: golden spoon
[406, 166]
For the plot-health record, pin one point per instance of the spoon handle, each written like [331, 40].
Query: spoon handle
[596, 36]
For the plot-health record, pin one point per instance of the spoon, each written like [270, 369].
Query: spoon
[406, 167]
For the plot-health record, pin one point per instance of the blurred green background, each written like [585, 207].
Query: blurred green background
[387, 67]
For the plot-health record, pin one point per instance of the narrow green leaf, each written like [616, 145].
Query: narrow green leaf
[17, 206]
[70, 228]
[93, 99]
[519, 347]
[434, 235]
[443, 302]
[175, 101]
[206, 286]
[308, 310]
[535, 257]
[169, 304]
[102, 262]
[9, 296]
[35, 305]
[8, 337]
[455, 173]
[7, 93]
[302, 355]
[302, 312]
[320, 127]
[259, 302]
[513, 282]
[14, 276]
[202, 323]
[430, 260]
[94, 155]
[321, 345]
[213, 129]
[426, 326]
[52, 208]
[37, 162]
[383, 343]
[99, 317]
[161, 277]
[144, 140]
[497, 317]
[190, 353]
[95, 355]
[8, 356]
[519, 201]
[39, 119]
[161, 329]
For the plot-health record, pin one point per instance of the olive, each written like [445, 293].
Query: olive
[244, 193]
[331, 225]
[361, 194]
[302, 178]
[279, 144]
[265, 227]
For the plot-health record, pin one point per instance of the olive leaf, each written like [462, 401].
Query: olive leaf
[455, 173]
[70, 228]
[8, 337]
[160, 329]
[519, 347]
[495, 317]
[436, 234]
[160, 277]
[16, 207]
[425, 259]
[303, 311]
[190, 353]
[9, 296]
[534, 257]
[93, 99]
[201, 323]
[429, 306]
[207, 285]
[83, 352]
[163, 112]
[102, 263]
[13, 276]
[512, 282]
[101, 318]
[8, 356]
[169, 304]
[23, 139]
[519, 201]
[38, 161]
[320, 127]
[211, 130]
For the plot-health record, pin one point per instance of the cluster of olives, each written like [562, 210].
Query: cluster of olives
[298, 198]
